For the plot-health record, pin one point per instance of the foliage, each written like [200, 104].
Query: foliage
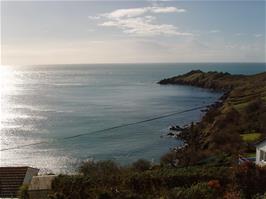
[99, 169]
[129, 182]
[251, 179]
[228, 140]
[232, 194]
[197, 191]
[250, 137]
[23, 192]
[259, 196]
[141, 165]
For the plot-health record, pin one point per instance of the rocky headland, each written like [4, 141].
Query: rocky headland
[240, 112]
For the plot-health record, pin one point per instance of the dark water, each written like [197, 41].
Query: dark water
[48, 103]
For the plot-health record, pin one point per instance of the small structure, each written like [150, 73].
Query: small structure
[12, 178]
[40, 187]
[261, 152]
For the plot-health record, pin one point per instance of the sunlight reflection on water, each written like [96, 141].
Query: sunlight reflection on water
[6, 83]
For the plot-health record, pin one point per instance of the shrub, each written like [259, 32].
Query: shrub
[251, 179]
[214, 184]
[23, 192]
[259, 196]
[232, 194]
[99, 169]
[141, 165]
[197, 191]
[169, 158]
[228, 140]
[64, 186]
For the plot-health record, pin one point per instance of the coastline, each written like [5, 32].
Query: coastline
[228, 118]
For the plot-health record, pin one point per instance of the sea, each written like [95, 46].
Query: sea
[54, 117]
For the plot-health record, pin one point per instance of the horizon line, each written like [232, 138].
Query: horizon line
[134, 63]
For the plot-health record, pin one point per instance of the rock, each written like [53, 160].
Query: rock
[175, 128]
[170, 134]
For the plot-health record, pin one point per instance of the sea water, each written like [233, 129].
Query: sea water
[41, 106]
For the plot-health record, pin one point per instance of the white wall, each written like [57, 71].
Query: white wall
[30, 173]
[261, 146]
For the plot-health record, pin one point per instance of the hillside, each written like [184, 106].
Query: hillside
[240, 114]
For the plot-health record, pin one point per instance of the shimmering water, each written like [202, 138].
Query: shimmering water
[47, 103]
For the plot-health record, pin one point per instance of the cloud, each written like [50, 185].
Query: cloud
[142, 26]
[215, 31]
[135, 12]
[166, 9]
[141, 21]
[120, 13]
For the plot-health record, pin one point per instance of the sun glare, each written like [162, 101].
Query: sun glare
[6, 75]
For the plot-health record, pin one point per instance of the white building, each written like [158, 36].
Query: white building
[261, 152]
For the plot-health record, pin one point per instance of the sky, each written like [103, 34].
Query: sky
[69, 32]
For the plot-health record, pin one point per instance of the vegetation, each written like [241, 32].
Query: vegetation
[251, 137]
[23, 192]
[206, 166]
[193, 182]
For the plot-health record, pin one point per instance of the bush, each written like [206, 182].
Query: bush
[99, 169]
[197, 191]
[228, 140]
[232, 194]
[169, 158]
[64, 187]
[23, 192]
[251, 179]
[141, 165]
[259, 196]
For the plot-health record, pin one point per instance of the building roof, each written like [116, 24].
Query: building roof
[11, 178]
[260, 141]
